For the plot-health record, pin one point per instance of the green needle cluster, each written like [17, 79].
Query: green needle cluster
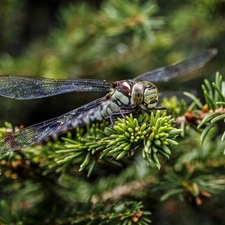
[214, 109]
[174, 105]
[154, 133]
[127, 134]
[161, 138]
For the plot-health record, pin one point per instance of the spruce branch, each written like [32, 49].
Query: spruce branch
[192, 186]
[124, 190]
[117, 212]
[174, 106]
[135, 18]
[8, 128]
[153, 134]
[6, 216]
[205, 116]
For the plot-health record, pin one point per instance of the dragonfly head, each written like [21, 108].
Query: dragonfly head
[145, 94]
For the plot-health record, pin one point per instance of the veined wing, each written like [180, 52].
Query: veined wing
[53, 127]
[26, 87]
[166, 73]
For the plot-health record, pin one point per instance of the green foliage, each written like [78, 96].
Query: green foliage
[115, 213]
[10, 16]
[132, 18]
[204, 32]
[191, 185]
[90, 42]
[175, 106]
[153, 133]
[214, 94]
[6, 217]
[194, 176]
[213, 111]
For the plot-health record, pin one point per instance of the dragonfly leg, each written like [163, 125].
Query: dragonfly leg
[160, 108]
[123, 111]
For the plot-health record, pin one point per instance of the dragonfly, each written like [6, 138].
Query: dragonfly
[125, 96]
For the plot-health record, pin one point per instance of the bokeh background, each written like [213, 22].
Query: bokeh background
[109, 40]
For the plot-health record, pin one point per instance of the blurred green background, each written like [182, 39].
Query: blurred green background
[109, 40]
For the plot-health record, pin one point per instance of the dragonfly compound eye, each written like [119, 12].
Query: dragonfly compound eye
[137, 94]
[151, 96]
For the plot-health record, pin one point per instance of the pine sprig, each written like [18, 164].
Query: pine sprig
[175, 106]
[154, 134]
[214, 94]
[150, 135]
[121, 17]
[189, 185]
[6, 216]
[215, 98]
[206, 116]
[8, 128]
[117, 212]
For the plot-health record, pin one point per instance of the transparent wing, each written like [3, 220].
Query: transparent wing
[166, 73]
[53, 127]
[26, 87]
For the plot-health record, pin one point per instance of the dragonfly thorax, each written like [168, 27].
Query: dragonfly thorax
[144, 94]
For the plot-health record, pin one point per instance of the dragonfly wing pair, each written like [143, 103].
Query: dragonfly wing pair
[49, 128]
[25, 87]
[166, 73]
